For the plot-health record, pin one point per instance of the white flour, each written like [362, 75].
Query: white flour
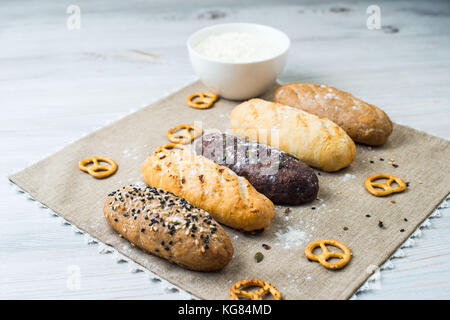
[291, 238]
[347, 177]
[236, 47]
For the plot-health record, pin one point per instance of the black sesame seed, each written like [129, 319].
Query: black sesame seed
[405, 219]
[402, 230]
[116, 220]
[313, 208]
[142, 230]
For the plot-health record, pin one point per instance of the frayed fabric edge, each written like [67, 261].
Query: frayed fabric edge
[370, 284]
[373, 282]
[103, 248]
[89, 240]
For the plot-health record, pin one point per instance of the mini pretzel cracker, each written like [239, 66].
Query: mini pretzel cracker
[253, 295]
[201, 100]
[385, 187]
[96, 169]
[188, 133]
[169, 146]
[326, 254]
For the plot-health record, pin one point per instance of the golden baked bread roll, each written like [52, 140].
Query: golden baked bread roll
[319, 143]
[363, 122]
[169, 227]
[230, 199]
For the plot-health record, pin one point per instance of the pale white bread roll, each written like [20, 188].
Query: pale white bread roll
[319, 143]
[228, 198]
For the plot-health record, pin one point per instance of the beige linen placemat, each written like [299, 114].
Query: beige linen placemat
[422, 160]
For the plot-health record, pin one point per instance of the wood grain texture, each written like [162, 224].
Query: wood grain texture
[57, 84]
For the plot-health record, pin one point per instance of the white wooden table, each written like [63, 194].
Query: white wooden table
[57, 83]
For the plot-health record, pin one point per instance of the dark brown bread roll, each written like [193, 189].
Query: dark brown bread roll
[169, 227]
[279, 176]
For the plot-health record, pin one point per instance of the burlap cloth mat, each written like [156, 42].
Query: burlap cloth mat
[342, 211]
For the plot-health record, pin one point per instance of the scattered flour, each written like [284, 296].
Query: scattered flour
[347, 177]
[291, 238]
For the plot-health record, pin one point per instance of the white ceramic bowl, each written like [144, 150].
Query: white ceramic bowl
[239, 80]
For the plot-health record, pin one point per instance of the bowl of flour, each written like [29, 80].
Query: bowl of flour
[238, 61]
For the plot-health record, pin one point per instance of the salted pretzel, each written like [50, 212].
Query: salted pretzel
[326, 254]
[170, 146]
[184, 133]
[266, 287]
[201, 100]
[98, 170]
[381, 189]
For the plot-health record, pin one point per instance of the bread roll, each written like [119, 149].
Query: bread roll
[279, 176]
[363, 122]
[319, 143]
[230, 199]
[162, 224]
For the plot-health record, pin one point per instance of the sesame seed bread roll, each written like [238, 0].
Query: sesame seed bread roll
[164, 225]
[230, 199]
[363, 122]
[320, 143]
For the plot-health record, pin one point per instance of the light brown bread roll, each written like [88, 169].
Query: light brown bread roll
[319, 143]
[230, 199]
[169, 227]
[363, 122]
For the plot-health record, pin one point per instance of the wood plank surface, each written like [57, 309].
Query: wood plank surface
[57, 84]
